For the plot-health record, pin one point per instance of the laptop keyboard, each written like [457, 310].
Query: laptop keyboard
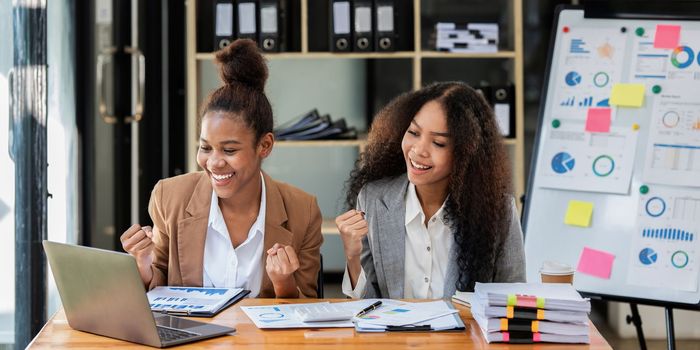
[170, 334]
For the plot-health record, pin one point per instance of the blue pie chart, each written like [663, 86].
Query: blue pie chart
[563, 163]
[647, 256]
[572, 78]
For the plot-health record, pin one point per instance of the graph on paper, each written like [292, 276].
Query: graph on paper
[669, 234]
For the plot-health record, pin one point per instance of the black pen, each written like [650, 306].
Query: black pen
[369, 308]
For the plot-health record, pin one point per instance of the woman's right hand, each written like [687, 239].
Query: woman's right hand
[353, 228]
[138, 241]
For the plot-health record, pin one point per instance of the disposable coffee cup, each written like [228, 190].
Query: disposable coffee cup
[556, 272]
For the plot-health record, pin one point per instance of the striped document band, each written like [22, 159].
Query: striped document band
[525, 301]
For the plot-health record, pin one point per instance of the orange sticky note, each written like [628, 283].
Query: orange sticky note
[595, 263]
[667, 36]
[627, 95]
[598, 120]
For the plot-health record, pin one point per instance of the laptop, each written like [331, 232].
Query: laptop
[102, 293]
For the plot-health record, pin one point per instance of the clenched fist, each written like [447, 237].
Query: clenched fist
[353, 228]
[138, 241]
[281, 263]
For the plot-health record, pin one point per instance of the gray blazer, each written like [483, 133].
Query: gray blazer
[383, 249]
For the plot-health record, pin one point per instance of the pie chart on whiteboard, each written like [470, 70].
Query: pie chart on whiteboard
[562, 163]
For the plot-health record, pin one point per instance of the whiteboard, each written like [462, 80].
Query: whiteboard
[642, 177]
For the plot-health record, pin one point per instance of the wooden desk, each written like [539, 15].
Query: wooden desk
[57, 334]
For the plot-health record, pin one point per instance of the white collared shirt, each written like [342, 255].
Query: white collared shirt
[427, 253]
[225, 266]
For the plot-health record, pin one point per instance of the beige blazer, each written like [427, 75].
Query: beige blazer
[179, 208]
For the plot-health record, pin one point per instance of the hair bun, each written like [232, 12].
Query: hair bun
[241, 62]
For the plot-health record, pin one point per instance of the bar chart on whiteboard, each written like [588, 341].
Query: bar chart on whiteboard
[665, 249]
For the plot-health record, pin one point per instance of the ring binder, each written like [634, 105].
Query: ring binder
[503, 102]
[223, 24]
[270, 25]
[362, 12]
[385, 29]
[341, 18]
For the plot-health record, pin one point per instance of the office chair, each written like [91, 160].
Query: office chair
[319, 280]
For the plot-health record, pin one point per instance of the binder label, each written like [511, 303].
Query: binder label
[246, 18]
[224, 19]
[341, 17]
[363, 20]
[268, 19]
[385, 18]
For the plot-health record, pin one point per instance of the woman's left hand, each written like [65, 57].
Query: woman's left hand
[281, 263]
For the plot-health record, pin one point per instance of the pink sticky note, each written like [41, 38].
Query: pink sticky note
[595, 263]
[598, 120]
[667, 36]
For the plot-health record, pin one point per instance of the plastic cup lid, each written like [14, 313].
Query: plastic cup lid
[556, 268]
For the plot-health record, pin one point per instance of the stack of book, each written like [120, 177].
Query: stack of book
[531, 313]
[312, 126]
[472, 37]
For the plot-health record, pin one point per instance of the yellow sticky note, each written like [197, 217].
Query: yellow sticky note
[627, 95]
[579, 213]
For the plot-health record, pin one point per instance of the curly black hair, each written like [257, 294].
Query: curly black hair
[478, 206]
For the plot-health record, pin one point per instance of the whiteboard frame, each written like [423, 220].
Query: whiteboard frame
[596, 13]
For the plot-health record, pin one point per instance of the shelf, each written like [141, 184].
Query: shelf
[328, 227]
[420, 58]
[322, 143]
[208, 56]
[346, 143]
[439, 54]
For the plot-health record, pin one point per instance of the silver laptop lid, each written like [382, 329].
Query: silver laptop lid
[102, 292]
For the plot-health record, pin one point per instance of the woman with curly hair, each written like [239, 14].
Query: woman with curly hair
[434, 210]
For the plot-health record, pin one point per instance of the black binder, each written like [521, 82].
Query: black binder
[362, 26]
[385, 25]
[340, 25]
[224, 29]
[270, 25]
[247, 19]
[503, 103]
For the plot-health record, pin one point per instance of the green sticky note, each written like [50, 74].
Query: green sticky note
[627, 95]
[579, 213]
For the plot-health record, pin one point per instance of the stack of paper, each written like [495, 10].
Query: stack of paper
[531, 312]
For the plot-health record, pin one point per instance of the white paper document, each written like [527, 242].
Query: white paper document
[190, 299]
[673, 149]
[401, 313]
[665, 250]
[283, 316]
[390, 313]
[590, 62]
[576, 160]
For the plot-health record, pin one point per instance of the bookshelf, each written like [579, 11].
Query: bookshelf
[419, 57]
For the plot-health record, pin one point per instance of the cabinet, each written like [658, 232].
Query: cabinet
[300, 81]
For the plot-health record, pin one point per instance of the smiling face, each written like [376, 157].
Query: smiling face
[427, 148]
[229, 154]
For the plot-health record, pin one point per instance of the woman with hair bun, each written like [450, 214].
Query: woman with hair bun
[433, 209]
[231, 225]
